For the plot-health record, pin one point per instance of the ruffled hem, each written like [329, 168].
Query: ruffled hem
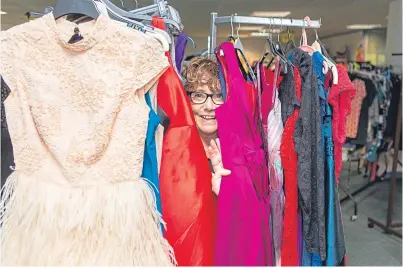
[45, 224]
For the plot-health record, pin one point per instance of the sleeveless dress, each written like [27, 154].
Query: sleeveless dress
[274, 133]
[243, 233]
[77, 196]
[290, 254]
[189, 205]
[150, 164]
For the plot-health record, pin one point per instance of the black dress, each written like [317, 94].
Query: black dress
[7, 157]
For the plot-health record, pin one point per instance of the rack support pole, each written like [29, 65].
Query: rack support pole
[213, 34]
[388, 227]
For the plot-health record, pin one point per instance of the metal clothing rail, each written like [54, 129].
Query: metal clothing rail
[215, 20]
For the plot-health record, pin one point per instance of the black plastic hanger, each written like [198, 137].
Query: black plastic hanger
[84, 7]
[276, 50]
[290, 45]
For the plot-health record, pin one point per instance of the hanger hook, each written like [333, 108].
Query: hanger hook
[281, 29]
[123, 4]
[232, 26]
[137, 4]
[269, 30]
[237, 30]
[281, 25]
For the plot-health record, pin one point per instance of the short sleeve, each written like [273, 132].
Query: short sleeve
[7, 58]
[150, 63]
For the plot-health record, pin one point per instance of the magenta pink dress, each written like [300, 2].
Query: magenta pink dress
[243, 229]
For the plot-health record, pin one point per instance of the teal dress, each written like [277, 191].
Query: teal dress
[335, 245]
[150, 164]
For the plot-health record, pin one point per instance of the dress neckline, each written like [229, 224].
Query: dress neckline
[66, 28]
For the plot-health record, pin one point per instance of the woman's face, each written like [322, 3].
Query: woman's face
[204, 102]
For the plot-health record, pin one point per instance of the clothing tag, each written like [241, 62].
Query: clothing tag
[76, 36]
[164, 118]
[136, 27]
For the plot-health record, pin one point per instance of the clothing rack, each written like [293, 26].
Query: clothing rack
[215, 20]
[390, 225]
[370, 183]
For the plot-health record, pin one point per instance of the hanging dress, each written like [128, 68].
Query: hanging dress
[189, 206]
[7, 157]
[335, 237]
[340, 98]
[243, 233]
[290, 251]
[150, 164]
[274, 135]
[311, 161]
[76, 197]
[180, 49]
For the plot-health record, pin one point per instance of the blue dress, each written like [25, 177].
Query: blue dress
[335, 249]
[150, 164]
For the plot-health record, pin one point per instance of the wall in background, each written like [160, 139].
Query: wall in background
[341, 42]
[394, 35]
[376, 46]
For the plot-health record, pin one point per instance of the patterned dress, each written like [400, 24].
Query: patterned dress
[274, 134]
[77, 197]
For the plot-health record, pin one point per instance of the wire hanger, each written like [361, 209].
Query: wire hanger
[290, 43]
[231, 37]
[238, 43]
[276, 50]
[192, 41]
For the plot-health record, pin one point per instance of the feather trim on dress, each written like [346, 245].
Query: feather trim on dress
[109, 224]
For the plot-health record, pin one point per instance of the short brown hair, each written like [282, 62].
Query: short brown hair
[202, 71]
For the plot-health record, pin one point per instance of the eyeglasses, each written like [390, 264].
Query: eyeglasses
[201, 97]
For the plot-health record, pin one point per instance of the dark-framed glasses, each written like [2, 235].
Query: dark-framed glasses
[201, 97]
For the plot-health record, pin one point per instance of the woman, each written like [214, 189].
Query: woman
[204, 91]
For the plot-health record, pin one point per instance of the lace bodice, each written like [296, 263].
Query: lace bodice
[79, 109]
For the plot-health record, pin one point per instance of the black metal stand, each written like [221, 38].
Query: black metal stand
[388, 227]
[350, 196]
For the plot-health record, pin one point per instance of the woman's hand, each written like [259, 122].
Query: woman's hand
[214, 154]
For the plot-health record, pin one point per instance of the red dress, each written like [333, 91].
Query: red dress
[340, 98]
[188, 204]
[289, 256]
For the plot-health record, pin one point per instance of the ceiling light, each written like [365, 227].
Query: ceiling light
[274, 14]
[2, 12]
[363, 26]
[249, 28]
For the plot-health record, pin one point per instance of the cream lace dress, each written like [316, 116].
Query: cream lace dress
[78, 118]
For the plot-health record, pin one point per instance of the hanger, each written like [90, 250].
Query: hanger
[265, 53]
[276, 50]
[238, 44]
[141, 17]
[246, 70]
[318, 46]
[192, 41]
[84, 7]
[290, 43]
[304, 41]
[161, 36]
